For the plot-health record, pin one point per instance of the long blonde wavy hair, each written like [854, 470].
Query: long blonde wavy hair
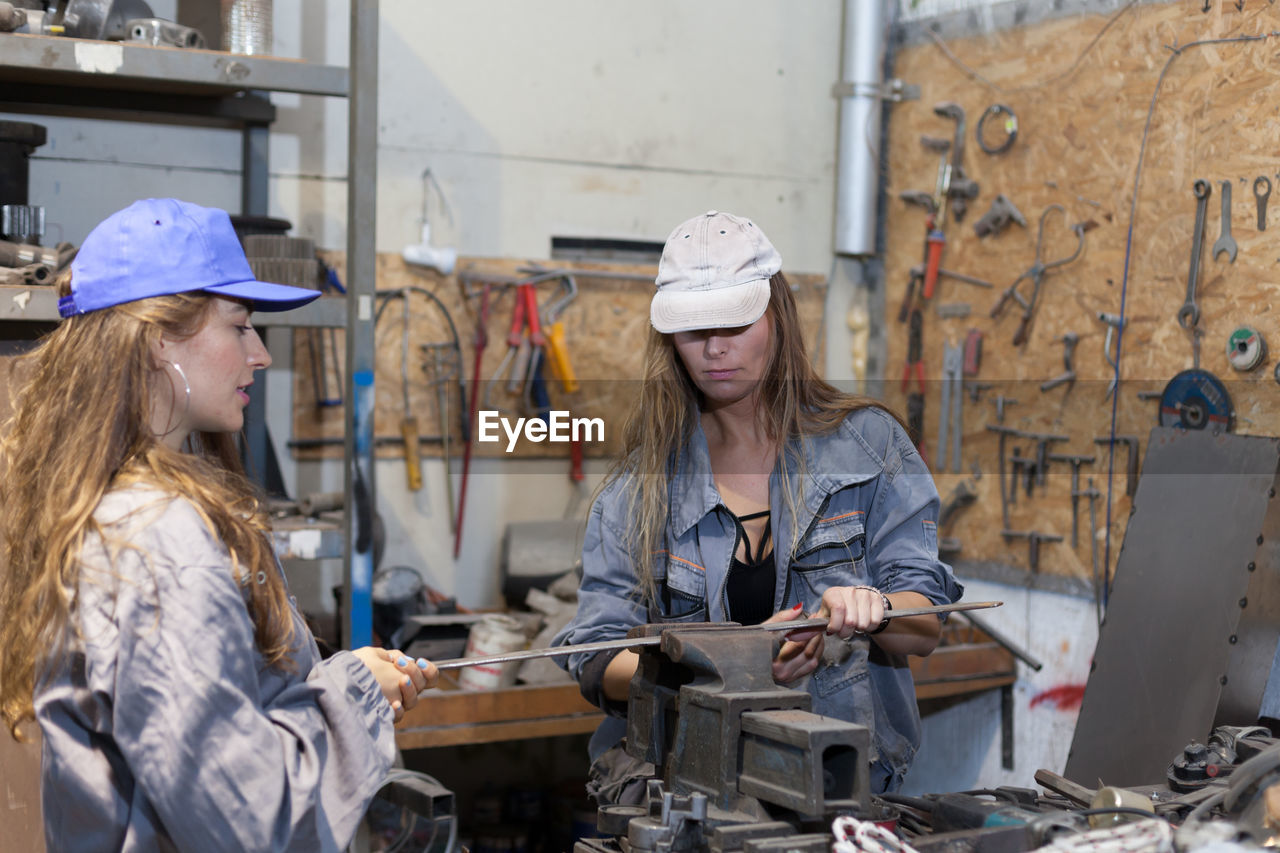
[81, 427]
[794, 403]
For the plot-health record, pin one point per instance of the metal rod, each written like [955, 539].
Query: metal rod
[630, 642]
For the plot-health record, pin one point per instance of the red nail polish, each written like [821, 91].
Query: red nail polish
[798, 606]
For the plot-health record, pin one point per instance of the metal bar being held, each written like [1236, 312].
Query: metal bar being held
[635, 642]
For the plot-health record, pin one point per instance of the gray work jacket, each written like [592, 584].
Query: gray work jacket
[166, 730]
[867, 515]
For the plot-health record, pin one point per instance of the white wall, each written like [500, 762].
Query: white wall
[562, 117]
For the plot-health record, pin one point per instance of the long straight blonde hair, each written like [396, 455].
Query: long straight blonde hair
[794, 403]
[82, 427]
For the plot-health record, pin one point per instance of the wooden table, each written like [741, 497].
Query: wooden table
[454, 717]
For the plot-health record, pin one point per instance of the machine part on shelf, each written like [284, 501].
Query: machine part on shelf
[1075, 462]
[1004, 432]
[158, 31]
[22, 223]
[1009, 125]
[961, 188]
[918, 269]
[973, 355]
[1034, 538]
[481, 341]
[1035, 274]
[961, 496]
[246, 26]
[637, 638]
[442, 363]
[1114, 323]
[1068, 375]
[1189, 313]
[950, 414]
[1225, 242]
[998, 216]
[11, 19]
[1246, 348]
[316, 503]
[1196, 399]
[953, 310]
[1131, 461]
[25, 254]
[1261, 193]
[104, 20]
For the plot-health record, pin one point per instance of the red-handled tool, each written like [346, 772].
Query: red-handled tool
[934, 243]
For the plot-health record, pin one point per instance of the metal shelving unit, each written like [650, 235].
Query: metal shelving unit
[52, 75]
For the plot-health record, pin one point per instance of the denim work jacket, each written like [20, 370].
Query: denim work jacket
[867, 514]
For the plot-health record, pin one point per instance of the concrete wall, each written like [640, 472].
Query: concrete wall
[564, 117]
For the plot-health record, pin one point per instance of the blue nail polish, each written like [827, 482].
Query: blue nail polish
[402, 662]
[422, 663]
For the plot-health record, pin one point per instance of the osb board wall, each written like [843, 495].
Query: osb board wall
[605, 330]
[1081, 89]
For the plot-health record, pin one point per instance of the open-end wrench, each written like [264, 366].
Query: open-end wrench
[1189, 313]
[1225, 242]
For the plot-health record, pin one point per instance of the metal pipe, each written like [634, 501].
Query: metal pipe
[858, 153]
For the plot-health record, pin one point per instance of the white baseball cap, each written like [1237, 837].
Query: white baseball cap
[714, 274]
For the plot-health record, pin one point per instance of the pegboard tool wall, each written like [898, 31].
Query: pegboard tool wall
[605, 329]
[1081, 89]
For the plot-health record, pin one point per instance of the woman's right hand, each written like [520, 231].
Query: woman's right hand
[400, 677]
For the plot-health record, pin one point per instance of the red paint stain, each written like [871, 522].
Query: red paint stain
[1065, 697]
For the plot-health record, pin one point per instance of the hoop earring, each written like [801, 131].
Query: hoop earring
[187, 387]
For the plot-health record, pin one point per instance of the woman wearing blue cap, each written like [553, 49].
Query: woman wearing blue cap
[144, 621]
[751, 490]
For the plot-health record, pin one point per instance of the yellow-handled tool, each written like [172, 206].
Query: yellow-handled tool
[558, 356]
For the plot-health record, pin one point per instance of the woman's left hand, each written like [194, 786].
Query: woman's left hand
[801, 651]
[851, 610]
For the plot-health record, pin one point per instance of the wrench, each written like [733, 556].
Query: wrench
[1225, 242]
[1262, 192]
[1189, 313]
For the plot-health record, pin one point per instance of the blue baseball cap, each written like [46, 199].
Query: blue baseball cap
[162, 246]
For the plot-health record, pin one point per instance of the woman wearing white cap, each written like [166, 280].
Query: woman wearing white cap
[144, 621]
[751, 490]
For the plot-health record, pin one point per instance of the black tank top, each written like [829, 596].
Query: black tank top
[750, 585]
